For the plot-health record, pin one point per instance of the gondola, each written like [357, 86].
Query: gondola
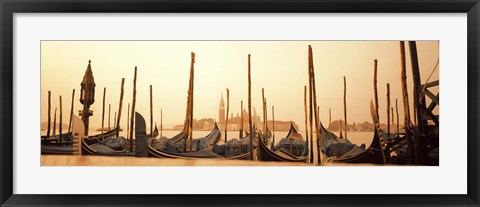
[293, 142]
[141, 143]
[236, 149]
[266, 154]
[66, 149]
[67, 138]
[202, 146]
[372, 155]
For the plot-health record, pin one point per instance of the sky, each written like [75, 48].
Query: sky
[280, 67]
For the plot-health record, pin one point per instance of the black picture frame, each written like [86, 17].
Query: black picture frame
[10, 7]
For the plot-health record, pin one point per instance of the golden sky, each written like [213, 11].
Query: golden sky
[278, 66]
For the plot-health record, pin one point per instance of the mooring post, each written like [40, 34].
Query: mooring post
[161, 123]
[406, 107]
[191, 99]
[71, 112]
[388, 110]
[151, 112]
[120, 107]
[306, 122]
[128, 119]
[60, 120]
[241, 124]
[49, 114]
[132, 115]
[54, 121]
[109, 107]
[375, 88]
[226, 120]
[312, 157]
[273, 124]
[103, 110]
[250, 109]
[345, 105]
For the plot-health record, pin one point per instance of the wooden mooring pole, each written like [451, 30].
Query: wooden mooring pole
[128, 119]
[273, 125]
[375, 88]
[388, 110]
[310, 104]
[151, 112]
[329, 117]
[132, 115]
[398, 119]
[345, 104]
[161, 123]
[120, 108]
[55, 121]
[60, 120]
[250, 108]
[226, 120]
[109, 107]
[241, 123]
[406, 106]
[317, 159]
[49, 113]
[191, 99]
[103, 110]
[71, 112]
[306, 121]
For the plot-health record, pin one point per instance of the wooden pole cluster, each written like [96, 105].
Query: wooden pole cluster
[315, 144]
[71, 112]
[345, 105]
[250, 108]
[132, 115]
[388, 109]
[115, 120]
[406, 107]
[60, 121]
[226, 120]
[151, 112]
[49, 113]
[306, 120]
[120, 108]
[103, 110]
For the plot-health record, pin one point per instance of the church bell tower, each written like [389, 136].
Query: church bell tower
[221, 111]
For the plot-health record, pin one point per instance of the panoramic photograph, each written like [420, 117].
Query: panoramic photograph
[239, 103]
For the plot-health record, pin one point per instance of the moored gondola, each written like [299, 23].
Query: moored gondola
[372, 155]
[141, 143]
[202, 146]
[266, 154]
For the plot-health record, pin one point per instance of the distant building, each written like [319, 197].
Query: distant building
[221, 111]
[235, 122]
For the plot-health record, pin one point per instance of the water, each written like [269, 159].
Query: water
[357, 138]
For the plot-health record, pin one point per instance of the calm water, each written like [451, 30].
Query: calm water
[355, 137]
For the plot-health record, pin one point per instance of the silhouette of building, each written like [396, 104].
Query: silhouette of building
[221, 111]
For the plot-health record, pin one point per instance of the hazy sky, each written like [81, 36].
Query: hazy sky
[278, 66]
